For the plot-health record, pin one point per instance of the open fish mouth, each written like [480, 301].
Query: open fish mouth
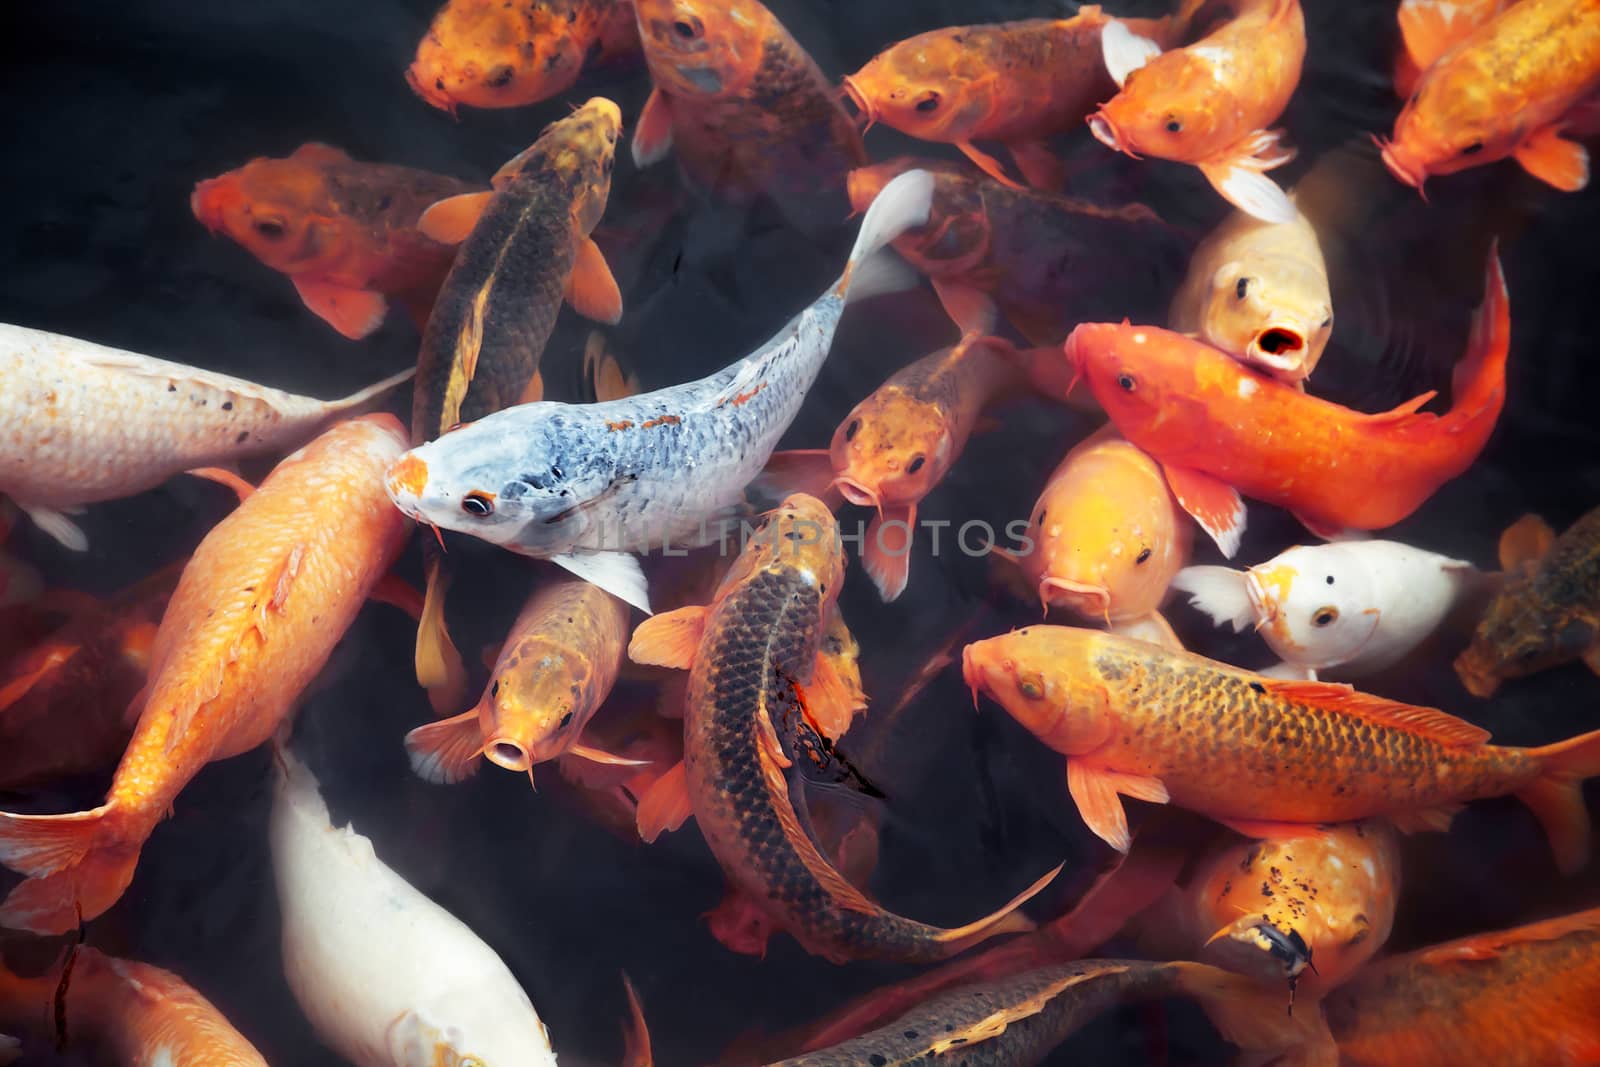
[1477, 673]
[1105, 131]
[1281, 348]
[508, 753]
[1090, 601]
[858, 493]
[862, 102]
[1411, 174]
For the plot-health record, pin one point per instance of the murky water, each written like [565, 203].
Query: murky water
[117, 109]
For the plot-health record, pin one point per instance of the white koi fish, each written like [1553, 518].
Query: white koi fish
[585, 485]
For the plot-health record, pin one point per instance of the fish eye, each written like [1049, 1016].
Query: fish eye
[1144, 556]
[916, 464]
[688, 28]
[1326, 616]
[850, 431]
[929, 101]
[1472, 149]
[477, 503]
[1126, 383]
[1240, 289]
[1327, 322]
[271, 229]
[566, 720]
[1030, 687]
[1173, 125]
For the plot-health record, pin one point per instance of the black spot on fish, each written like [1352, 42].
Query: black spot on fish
[877, 1059]
[241, 438]
[227, 405]
[1258, 687]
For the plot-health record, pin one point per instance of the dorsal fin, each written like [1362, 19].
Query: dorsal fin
[1431, 723]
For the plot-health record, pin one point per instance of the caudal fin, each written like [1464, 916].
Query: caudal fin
[1007, 920]
[1479, 380]
[904, 203]
[73, 874]
[1556, 797]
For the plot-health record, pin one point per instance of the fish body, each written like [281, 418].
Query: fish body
[1259, 291]
[386, 977]
[556, 668]
[1354, 606]
[1256, 753]
[1525, 997]
[256, 613]
[742, 105]
[1018, 83]
[1507, 89]
[344, 232]
[91, 423]
[752, 657]
[1430, 28]
[1105, 537]
[1220, 428]
[129, 1013]
[584, 484]
[487, 53]
[1547, 614]
[1036, 258]
[1210, 103]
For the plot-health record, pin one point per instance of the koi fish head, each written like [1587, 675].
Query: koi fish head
[1315, 604]
[497, 1035]
[801, 535]
[933, 86]
[1172, 108]
[1449, 125]
[486, 53]
[704, 48]
[1107, 536]
[583, 147]
[1516, 639]
[893, 448]
[1137, 373]
[538, 702]
[280, 210]
[1274, 313]
[1044, 676]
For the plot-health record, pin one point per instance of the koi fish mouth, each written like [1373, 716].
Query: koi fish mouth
[431, 90]
[1105, 131]
[1266, 610]
[862, 102]
[858, 493]
[1090, 601]
[1477, 672]
[1409, 173]
[1279, 348]
[1288, 950]
[204, 202]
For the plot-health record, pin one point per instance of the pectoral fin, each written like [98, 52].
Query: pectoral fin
[1248, 189]
[617, 573]
[1527, 540]
[970, 309]
[591, 290]
[533, 392]
[53, 657]
[652, 138]
[353, 312]
[1215, 505]
[665, 805]
[988, 164]
[1098, 794]
[669, 639]
[450, 220]
[595, 755]
[1554, 160]
[1124, 51]
[798, 470]
[1151, 628]
[1039, 165]
[447, 751]
[1219, 592]
[886, 555]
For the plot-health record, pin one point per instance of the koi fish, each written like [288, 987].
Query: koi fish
[1507, 89]
[524, 247]
[127, 1012]
[1219, 428]
[257, 612]
[1436, 26]
[1106, 539]
[1547, 614]
[1017, 83]
[1210, 102]
[558, 665]
[585, 485]
[611, 793]
[1259, 291]
[1524, 997]
[753, 661]
[344, 232]
[743, 106]
[1260, 753]
[897, 445]
[1358, 606]
[95, 423]
[1311, 909]
[385, 976]
[1036, 258]
[486, 53]
[1019, 1020]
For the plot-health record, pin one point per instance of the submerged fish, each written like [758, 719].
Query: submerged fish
[1509, 88]
[344, 232]
[1547, 614]
[558, 665]
[584, 485]
[259, 608]
[741, 104]
[1018, 83]
[1219, 428]
[1036, 258]
[1257, 753]
[126, 1012]
[1259, 291]
[386, 977]
[95, 423]
[488, 53]
[1210, 102]
[753, 661]
[1358, 606]
[1525, 997]
[1430, 28]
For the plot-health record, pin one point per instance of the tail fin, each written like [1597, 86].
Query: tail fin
[1556, 797]
[62, 895]
[356, 401]
[1007, 920]
[39, 845]
[1256, 1017]
[904, 203]
[1479, 380]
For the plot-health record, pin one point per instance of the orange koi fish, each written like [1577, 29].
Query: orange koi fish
[1220, 428]
[1017, 83]
[752, 657]
[126, 1012]
[257, 612]
[1507, 89]
[487, 53]
[611, 792]
[556, 669]
[1258, 753]
[1433, 27]
[1036, 258]
[1548, 612]
[1106, 539]
[1210, 102]
[741, 103]
[344, 232]
[1525, 997]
